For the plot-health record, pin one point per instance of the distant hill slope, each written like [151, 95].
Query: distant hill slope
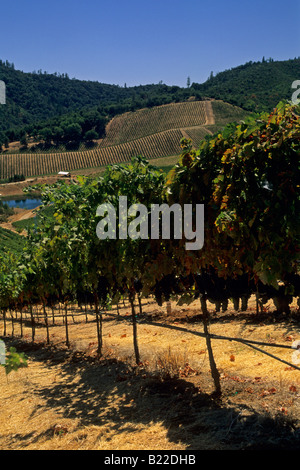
[132, 126]
[255, 86]
[152, 133]
[194, 119]
[37, 97]
[10, 241]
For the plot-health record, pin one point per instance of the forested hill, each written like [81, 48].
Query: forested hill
[254, 86]
[40, 96]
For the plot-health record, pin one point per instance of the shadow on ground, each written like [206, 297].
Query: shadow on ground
[115, 393]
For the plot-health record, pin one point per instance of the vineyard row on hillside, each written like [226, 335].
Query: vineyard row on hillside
[135, 125]
[154, 146]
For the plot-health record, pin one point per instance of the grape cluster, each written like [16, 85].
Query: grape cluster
[219, 291]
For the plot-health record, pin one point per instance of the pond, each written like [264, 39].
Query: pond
[23, 203]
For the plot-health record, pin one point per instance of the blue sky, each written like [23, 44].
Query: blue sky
[140, 42]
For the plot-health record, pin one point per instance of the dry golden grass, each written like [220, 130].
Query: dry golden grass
[70, 399]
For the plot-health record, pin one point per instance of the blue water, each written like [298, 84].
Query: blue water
[27, 203]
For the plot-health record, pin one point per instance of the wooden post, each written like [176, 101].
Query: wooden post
[99, 325]
[21, 320]
[46, 322]
[214, 371]
[12, 323]
[134, 328]
[32, 323]
[4, 321]
[66, 325]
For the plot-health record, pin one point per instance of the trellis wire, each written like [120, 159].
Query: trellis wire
[247, 342]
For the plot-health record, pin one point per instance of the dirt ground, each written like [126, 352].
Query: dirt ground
[16, 189]
[70, 399]
[19, 214]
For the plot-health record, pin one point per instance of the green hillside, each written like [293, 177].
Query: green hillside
[11, 241]
[255, 86]
[37, 97]
[41, 101]
[153, 133]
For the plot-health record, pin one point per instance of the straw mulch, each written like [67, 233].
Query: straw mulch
[71, 399]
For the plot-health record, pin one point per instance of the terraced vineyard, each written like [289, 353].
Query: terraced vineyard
[152, 133]
[198, 133]
[153, 146]
[132, 126]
